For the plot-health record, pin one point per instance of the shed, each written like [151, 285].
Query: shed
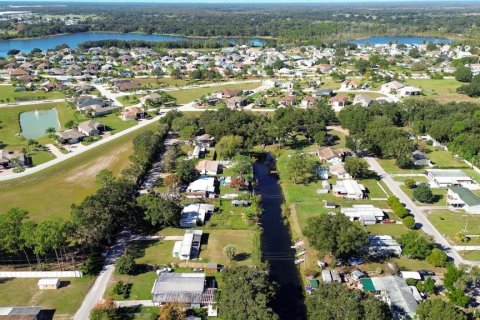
[314, 283]
[327, 276]
[48, 284]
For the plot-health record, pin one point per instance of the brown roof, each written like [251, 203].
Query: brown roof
[328, 153]
[207, 165]
[230, 92]
[338, 99]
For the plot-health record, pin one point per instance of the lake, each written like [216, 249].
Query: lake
[35, 123]
[74, 39]
[403, 40]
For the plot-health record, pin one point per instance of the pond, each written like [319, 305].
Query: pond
[403, 40]
[74, 39]
[35, 123]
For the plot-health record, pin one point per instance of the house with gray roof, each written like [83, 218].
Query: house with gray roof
[462, 198]
[22, 313]
[449, 177]
[12, 159]
[186, 288]
[91, 128]
[93, 105]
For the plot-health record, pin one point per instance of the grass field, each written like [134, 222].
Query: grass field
[442, 90]
[390, 167]
[188, 95]
[51, 192]
[155, 83]
[7, 93]
[471, 255]
[394, 230]
[65, 301]
[449, 223]
[444, 159]
[440, 195]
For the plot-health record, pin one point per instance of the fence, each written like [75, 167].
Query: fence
[40, 274]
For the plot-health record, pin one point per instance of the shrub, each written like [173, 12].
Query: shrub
[409, 222]
[410, 183]
[423, 193]
[126, 264]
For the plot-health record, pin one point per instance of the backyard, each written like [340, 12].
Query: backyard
[443, 90]
[65, 301]
[8, 94]
[188, 95]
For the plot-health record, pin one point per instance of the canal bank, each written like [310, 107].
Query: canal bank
[276, 246]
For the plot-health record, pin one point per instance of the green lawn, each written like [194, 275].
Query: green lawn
[130, 100]
[390, 167]
[65, 301]
[439, 193]
[444, 159]
[115, 123]
[394, 230]
[471, 255]
[156, 83]
[417, 179]
[341, 142]
[51, 192]
[442, 90]
[449, 223]
[188, 95]
[8, 92]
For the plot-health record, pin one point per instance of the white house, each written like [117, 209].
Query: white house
[208, 167]
[349, 189]
[189, 247]
[364, 213]
[194, 214]
[362, 100]
[450, 177]
[462, 198]
[383, 245]
[204, 187]
[408, 91]
[391, 87]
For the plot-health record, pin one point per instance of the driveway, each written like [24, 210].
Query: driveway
[419, 215]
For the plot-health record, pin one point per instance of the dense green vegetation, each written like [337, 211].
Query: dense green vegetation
[289, 23]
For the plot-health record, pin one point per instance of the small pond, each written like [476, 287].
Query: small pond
[35, 123]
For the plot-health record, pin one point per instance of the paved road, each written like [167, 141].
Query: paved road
[100, 286]
[420, 217]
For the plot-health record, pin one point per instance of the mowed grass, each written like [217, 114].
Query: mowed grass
[444, 159]
[8, 92]
[394, 230]
[65, 301]
[390, 167]
[472, 255]
[449, 223]
[188, 95]
[440, 196]
[51, 192]
[443, 90]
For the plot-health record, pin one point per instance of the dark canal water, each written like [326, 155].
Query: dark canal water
[276, 242]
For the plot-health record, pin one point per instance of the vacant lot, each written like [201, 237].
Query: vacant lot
[8, 94]
[449, 223]
[442, 90]
[65, 301]
[51, 192]
[188, 95]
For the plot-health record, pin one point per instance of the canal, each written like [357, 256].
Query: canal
[276, 243]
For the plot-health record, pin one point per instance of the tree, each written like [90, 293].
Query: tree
[335, 301]
[69, 124]
[438, 258]
[427, 286]
[415, 245]
[458, 297]
[410, 183]
[229, 146]
[13, 52]
[186, 171]
[160, 212]
[243, 167]
[433, 309]
[104, 310]
[255, 291]
[409, 222]
[452, 275]
[463, 74]
[126, 264]
[172, 311]
[104, 178]
[12, 236]
[336, 234]
[172, 181]
[423, 193]
[404, 162]
[230, 251]
[299, 168]
[356, 167]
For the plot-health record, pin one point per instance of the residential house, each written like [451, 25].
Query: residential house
[187, 289]
[205, 140]
[450, 177]
[288, 101]
[330, 155]
[364, 213]
[349, 189]
[91, 128]
[322, 93]
[395, 292]
[236, 102]
[349, 85]
[420, 159]
[13, 159]
[391, 87]
[201, 188]
[362, 100]
[195, 214]
[308, 101]
[22, 313]
[338, 170]
[70, 136]
[408, 91]
[94, 105]
[189, 247]
[228, 93]
[383, 246]
[463, 198]
[132, 113]
[126, 85]
[338, 103]
[208, 167]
